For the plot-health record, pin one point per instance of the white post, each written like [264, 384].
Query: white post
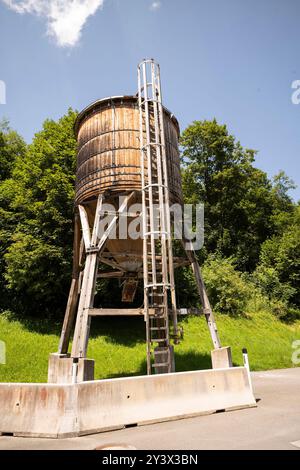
[247, 366]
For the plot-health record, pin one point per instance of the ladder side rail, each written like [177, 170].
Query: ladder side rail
[160, 180]
[167, 203]
[162, 208]
[149, 170]
[144, 221]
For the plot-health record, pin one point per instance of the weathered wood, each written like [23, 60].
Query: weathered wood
[69, 318]
[189, 311]
[73, 294]
[111, 275]
[136, 312]
[97, 220]
[109, 149]
[178, 261]
[111, 263]
[207, 310]
[85, 227]
[87, 293]
[81, 333]
[116, 312]
[113, 222]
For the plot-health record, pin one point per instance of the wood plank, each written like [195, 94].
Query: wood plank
[97, 220]
[189, 311]
[136, 312]
[111, 275]
[85, 227]
[81, 333]
[116, 312]
[111, 263]
[114, 221]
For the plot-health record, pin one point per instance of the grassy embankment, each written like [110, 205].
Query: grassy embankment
[117, 345]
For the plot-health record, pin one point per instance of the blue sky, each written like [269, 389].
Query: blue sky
[230, 59]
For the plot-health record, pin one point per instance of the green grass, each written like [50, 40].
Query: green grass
[118, 347]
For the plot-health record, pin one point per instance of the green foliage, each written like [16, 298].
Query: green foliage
[278, 274]
[12, 146]
[36, 203]
[266, 277]
[241, 204]
[36, 271]
[227, 290]
[187, 295]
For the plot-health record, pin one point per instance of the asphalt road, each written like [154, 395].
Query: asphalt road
[274, 424]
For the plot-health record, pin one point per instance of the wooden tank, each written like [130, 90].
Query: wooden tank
[109, 151]
[109, 162]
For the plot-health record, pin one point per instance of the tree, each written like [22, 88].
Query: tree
[239, 199]
[40, 196]
[227, 290]
[12, 147]
[278, 273]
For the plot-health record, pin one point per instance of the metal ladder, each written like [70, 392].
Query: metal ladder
[157, 242]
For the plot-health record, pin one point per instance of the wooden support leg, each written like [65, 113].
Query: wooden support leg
[173, 293]
[207, 310]
[85, 303]
[73, 294]
[69, 317]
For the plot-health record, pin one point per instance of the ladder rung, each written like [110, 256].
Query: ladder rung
[158, 340]
[162, 350]
[161, 364]
[167, 285]
[154, 185]
[158, 328]
[156, 232]
[152, 143]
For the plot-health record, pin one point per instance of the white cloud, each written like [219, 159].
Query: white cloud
[65, 18]
[155, 6]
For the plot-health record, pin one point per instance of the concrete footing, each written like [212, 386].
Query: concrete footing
[68, 410]
[221, 358]
[63, 369]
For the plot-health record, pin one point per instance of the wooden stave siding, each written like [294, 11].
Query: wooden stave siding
[110, 161]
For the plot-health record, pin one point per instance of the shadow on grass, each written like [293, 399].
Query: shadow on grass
[142, 370]
[192, 360]
[188, 361]
[125, 331]
[43, 326]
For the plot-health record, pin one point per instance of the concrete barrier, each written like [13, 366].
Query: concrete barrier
[38, 410]
[50, 410]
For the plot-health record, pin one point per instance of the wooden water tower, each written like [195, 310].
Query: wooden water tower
[127, 155]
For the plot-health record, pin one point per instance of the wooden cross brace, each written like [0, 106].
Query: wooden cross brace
[94, 245]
